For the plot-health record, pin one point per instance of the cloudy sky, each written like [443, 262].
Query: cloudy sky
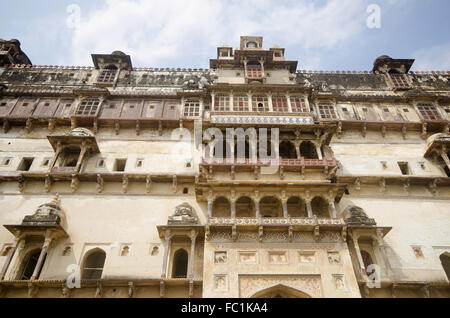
[321, 35]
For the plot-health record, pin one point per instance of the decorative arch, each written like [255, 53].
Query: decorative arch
[29, 263]
[320, 207]
[297, 207]
[287, 150]
[221, 207]
[281, 291]
[180, 263]
[308, 150]
[93, 264]
[270, 206]
[245, 207]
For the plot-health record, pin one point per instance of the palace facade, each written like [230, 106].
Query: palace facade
[248, 179]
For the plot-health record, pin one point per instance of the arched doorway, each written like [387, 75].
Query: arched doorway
[308, 150]
[93, 264]
[281, 291]
[29, 264]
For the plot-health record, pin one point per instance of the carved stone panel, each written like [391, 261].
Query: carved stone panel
[307, 257]
[309, 284]
[334, 257]
[220, 257]
[247, 257]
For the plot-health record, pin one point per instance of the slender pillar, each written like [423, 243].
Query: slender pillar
[213, 101]
[233, 209]
[40, 261]
[332, 210]
[358, 254]
[193, 237]
[382, 248]
[257, 210]
[210, 206]
[270, 103]
[167, 239]
[285, 209]
[55, 157]
[9, 258]
[81, 157]
[288, 97]
[319, 152]
[309, 209]
[250, 104]
[231, 102]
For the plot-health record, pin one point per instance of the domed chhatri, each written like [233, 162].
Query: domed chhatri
[118, 53]
[81, 132]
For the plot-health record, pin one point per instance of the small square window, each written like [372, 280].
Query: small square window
[386, 110]
[6, 161]
[25, 104]
[185, 191]
[101, 163]
[406, 110]
[112, 106]
[47, 104]
[404, 167]
[120, 165]
[131, 106]
[344, 109]
[152, 107]
[2, 104]
[45, 162]
[364, 110]
[139, 163]
[25, 165]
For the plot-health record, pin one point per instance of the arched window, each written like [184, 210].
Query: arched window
[271, 207]
[30, 262]
[93, 265]
[320, 207]
[245, 207]
[180, 264]
[287, 150]
[308, 150]
[296, 207]
[221, 207]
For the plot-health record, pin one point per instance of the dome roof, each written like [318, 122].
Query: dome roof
[118, 53]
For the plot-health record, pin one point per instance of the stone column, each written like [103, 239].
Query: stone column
[81, 157]
[332, 209]
[231, 102]
[40, 261]
[55, 157]
[270, 103]
[382, 249]
[250, 107]
[319, 151]
[285, 209]
[257, 210]
[9, 258]
[210, 206]
[233, 209]
[193, 237]
[358, 254]
[213, 100]
[167, 238]
[309, 209]
[288, 97]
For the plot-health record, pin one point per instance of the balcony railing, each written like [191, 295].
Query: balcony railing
[63, 170]
[293, 221]
[269, 162]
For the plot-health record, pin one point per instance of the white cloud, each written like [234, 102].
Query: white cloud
[177, 32]
[433, 59]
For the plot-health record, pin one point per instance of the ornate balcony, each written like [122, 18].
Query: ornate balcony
[249, 221]
[311, 163]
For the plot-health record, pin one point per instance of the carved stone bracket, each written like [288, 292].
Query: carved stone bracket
[364, 130]
[424, 130]
[162, 289]
[125, 183]
[339, 130]
[138, 127]
[100, 183]
[207, 232]
[99, 290]
[32, 290]
[21, 183]
[233, 172]
[148, 184]
[174, 183]
[51, 125]
[290, 234]
[48, 183]
[65, 291]
[404, 131]
[234, 233]
[407, 185]
[29, 125]
[316, 233]
[255, 172]
[344, 234]
[425, 291]
[358, 184]
[433, 187]
[160, 128]
[116, 127]
[383, 130]
[6, 126]
[74, 183]
[73, 123]
[131, 289]
[382, 185]
[281, 173]
[191, 288]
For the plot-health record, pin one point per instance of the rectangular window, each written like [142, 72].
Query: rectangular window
[404, 167]
[192, 108]
[120, 164]
[222, 103]
[326, 111]
[88, 107]
[3, 104]
[107, 76]
[254, 71]
[429, 112]
[260, 104]
[25, 164]
[280, 104]
[240, 103]
[299, 105]
[399, 80]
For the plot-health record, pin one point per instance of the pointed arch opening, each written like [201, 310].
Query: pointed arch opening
[308, 150]
[221, 208]
[297, 207]
[245, 207]
[287, 150]
[281, 291]
[271, 207]
[320, 207]
[93, 264]
[180, 264]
